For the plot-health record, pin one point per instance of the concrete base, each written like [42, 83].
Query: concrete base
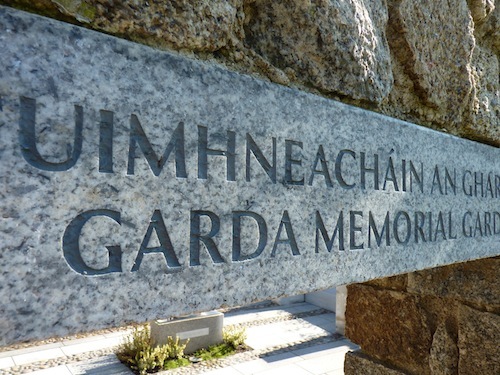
[202, 330]
[341, 301]
[322, 298]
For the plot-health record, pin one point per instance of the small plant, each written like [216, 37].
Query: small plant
[234, 336]
[139, 341]
[175, 350]
[215, 352]
[138, 353]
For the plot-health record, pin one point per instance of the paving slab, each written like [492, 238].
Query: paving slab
[36, 356]
[92, 345]
[283, 358]
[106, 365]
[82, 340]
[58, 370]
[335, 372]
[320, 319]
[323, 363]
[320, 350]
[251, 367]
[274, 362]
[223, 371]
[243, 316]
[30, 349]
[291, 369]
[6, 362]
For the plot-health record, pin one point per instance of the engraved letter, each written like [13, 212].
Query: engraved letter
[204, 151]
[71, 246]
[137, 136]
[27, 138]
[353, 229]
[320, 156]
[436, 181]
[339, 230]
[165, 247]
[496, 223]
[289, 161]
[450, 181]
[106, 142]
[196, 237]
[390, 175]
[467, 188]
[290, 240]
[372, 228]
[396, 227]
[237, 215]
[467, 229]
[338, 168]
[419, 226]
[365, 169]
[440, 227]
[270, 170]
[478, 181]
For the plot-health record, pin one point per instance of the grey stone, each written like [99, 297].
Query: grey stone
[336, 46]
[478, 338]
[198, 331]
[104, 235]
[445, 87]
[443, 356]
[475, 284]
[358, 363]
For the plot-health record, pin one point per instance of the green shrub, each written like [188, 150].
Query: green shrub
[138, 353]
[175, 350]
[215, 351]
[234, 336]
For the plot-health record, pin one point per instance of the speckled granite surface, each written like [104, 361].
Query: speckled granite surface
[99, 229]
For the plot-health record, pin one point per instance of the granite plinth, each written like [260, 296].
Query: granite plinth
[138, 184]
[197, 332]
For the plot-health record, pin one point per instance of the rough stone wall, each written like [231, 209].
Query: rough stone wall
[443, 321]
[431, 62]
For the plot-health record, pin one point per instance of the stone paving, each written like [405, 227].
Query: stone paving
[294, 339]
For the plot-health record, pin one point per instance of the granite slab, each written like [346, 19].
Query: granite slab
[138, 184]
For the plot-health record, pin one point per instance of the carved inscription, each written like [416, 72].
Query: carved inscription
[139, 184]
[347, 169]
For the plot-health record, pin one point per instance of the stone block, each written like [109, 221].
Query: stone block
[423, 52]
[312, 40]
[197, 26]
[202, 330]
[397, 282]
[475, 283]
[389, 326]
[443, 358]
[358, 363]
[478, 342]
[139, 184]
